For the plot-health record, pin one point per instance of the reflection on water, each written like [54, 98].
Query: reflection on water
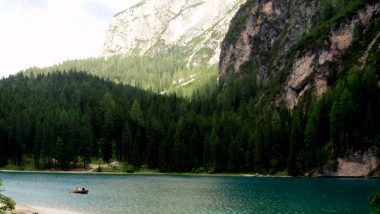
[189, 194]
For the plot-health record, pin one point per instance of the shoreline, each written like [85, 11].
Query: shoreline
[28, 209]
[256, 175]
[146, 173]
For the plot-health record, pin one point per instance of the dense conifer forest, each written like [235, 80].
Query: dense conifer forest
[65, 119]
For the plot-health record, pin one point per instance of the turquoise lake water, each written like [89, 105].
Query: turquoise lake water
[116, 194]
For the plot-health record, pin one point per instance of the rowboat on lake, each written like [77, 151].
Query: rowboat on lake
[80, 190]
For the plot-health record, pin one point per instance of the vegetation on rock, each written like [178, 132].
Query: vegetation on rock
[374, 200]
[7, 205]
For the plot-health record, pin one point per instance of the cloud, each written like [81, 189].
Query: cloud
[12, 5]
[34, 3]
[98, 10]
[44, 32]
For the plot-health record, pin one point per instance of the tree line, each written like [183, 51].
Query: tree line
[65, 119]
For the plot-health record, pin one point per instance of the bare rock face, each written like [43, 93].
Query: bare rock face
[265, 33]
[310, 70]
[357, 164]
[196, 26]
[268, 29]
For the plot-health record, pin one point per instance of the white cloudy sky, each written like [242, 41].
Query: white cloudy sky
[44, 32]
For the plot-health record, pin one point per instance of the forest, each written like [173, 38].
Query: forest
[66, 119]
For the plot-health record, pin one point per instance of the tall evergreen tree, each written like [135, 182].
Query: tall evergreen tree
[127, 141]
[87, 139]
[295, 143]
[312, 137]
[153, 139]
[61, 154]
[136, 153]
[342, 120]
[108, 106]
[211, 151]
[136, 113]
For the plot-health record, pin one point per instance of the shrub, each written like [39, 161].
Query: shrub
[374, 200]
[7, 205]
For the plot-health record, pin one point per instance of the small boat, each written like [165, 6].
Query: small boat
[80, 190]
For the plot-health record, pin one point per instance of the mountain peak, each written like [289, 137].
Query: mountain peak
[150, 26]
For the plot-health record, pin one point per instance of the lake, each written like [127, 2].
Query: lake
[116, 194]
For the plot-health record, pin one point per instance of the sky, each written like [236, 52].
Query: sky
[45, 32]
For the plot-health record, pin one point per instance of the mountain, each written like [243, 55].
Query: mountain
[319, 60]
[150, 26]
[161, 45]
[306, 41]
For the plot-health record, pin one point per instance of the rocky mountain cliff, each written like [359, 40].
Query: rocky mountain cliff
[356, 164]
[196, 26]
[304, 41]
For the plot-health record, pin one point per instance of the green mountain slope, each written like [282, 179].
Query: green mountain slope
[162, 46]
[166, 72]
[319, 59]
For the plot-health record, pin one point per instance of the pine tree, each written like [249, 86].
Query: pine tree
[311, 136]
[181, 152]
[136, 113]
[48, 141]
[236, 155]
[279, 142]
[153, 139]
[61, 154]
[87, 139]
[295, 143]
[3, 145]
[259, 148]
[136, 153]
[165, 149]
[211, 151]
[108, 106]
[342, 120]
[126, 142]
[37, 140]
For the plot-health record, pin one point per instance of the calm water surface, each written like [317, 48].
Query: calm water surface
[116, 194]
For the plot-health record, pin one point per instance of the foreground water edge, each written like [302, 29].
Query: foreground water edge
[189, 194]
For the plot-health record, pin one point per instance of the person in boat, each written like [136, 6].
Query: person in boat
[80, 190]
